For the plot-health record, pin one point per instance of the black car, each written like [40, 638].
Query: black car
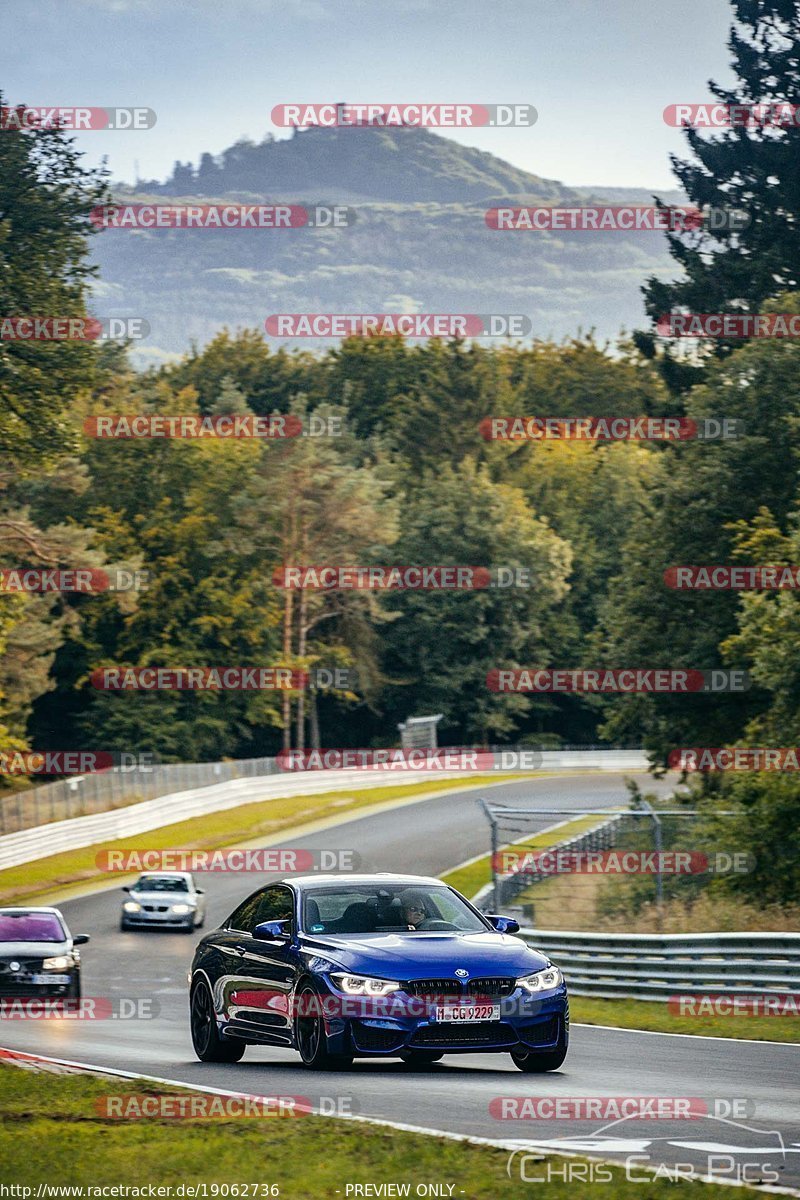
[38, 955]
[374, 966]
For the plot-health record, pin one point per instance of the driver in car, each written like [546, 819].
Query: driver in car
[414, 909]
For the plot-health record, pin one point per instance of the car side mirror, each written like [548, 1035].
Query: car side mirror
[126, 888]
[80, 939]
[504, 924]
[272, 931]
[199, 892]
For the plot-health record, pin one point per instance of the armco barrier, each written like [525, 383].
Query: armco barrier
[644, 966]
[173, 806]
[44, 840]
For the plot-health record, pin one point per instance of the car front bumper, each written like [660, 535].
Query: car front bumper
[166, 919]
[536, 1022]
[22, 985]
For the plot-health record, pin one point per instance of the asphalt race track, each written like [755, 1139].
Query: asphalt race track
[454, 1094]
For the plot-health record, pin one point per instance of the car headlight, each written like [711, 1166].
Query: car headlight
[131, 906]
[364, 985]
[180, 909]
[59, 963]
[542, 981]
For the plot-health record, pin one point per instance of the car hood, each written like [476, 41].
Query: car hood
[10, 950]
[428, 955]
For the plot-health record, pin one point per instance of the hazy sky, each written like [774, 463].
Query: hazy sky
[600, 72]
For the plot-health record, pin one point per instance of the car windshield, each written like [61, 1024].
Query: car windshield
[387, 908]
[31, 927]
[160, 883]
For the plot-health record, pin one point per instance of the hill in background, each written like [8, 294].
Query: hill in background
[419, 243]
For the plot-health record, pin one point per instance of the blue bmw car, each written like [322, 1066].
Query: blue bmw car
[374, 966]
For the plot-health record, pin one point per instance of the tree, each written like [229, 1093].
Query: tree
[45, 197]
[314, 501]
[442, 645]
[748, 168]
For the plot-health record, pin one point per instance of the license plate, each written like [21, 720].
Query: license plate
[467, 1012]
[49, 978]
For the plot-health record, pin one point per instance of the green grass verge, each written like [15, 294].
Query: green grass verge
[51, 1133]
[647, 1014]
[471, 877]
[230, 827]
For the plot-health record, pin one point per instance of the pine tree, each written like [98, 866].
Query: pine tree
[746, 167]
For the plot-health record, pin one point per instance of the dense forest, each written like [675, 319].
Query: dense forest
[395, 469]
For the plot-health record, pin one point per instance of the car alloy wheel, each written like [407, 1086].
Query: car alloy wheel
[310, 1037]
[209, 1045]
[535, 1062]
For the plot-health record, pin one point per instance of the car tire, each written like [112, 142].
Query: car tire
[310, 1038]
[73, 991]
[421, 1058]
[124, 926]
[209, 1044]
[536, 1062]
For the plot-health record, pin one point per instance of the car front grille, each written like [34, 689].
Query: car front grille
[479, 1033]
[491, 986]
[28, 965]
[435, 989]
[30, 991]
[155, 907]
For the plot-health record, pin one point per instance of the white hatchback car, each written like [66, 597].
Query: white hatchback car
[164, 899]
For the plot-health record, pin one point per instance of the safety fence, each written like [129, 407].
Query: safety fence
[646, 966]
[121, 786]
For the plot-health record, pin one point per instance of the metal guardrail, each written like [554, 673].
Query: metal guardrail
[117, 790]
[647, 966]
[86, 795]
[29, 844]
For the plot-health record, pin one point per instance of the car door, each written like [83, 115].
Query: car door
[198, 896]
[261, 973]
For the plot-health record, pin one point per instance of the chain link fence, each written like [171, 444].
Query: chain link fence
[85, 795]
